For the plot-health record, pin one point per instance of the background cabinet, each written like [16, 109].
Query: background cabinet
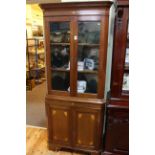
[117, 135]
[117, 124]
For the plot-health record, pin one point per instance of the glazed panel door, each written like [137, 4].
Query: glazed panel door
[125, 83]
[120, 67]
[59, 50]
[90, 47]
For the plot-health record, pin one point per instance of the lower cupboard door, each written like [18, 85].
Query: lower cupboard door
[59, 125]
[86, 128]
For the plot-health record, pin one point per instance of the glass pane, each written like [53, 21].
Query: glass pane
[60, 46]
[125, 86]
[87, 83]
[89, 32]
[88, 51]
[60, 80]
[60, 55]
[127, 50]
[60, 32]
[125, 82]
[88, 58]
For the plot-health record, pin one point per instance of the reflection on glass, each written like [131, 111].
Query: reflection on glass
[87, 83]
[60, 56]
[60, 80]
[60, 47]
[88, 46]
[89, 32]
[60, 32]
[88, 53]
[127, 49]
[87, 58]
[127, 57]
[125, 82]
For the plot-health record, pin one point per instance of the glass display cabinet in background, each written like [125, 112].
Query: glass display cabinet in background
[125, 85]
[77, 54]
[120, 68]
[117, 122]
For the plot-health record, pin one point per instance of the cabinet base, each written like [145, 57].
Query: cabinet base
[71, 149]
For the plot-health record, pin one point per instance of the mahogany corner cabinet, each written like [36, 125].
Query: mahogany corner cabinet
[78, 66]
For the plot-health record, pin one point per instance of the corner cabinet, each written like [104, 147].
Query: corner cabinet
[76, 40]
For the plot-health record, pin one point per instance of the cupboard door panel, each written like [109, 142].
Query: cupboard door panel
[117, 128]
[59, 126]
[85, 128]
[82, 129]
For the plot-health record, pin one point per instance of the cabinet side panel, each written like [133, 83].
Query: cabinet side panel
[109, 49]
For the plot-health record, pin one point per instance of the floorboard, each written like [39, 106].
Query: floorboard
[36, 143]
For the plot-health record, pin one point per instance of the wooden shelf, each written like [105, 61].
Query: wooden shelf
[88, 44]
[88, 71]
[60, 69]
[81, 71]
[126, 68]
[63, 44]
[125, 92]
[39, 68]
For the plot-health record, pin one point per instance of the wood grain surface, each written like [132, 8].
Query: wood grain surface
[36, 143]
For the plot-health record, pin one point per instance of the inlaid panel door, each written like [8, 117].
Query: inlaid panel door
[117, 134]
[86, 128]
[59, 126]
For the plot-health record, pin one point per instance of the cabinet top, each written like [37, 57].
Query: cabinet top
[76, 4]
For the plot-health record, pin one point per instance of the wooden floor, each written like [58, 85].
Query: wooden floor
[36, 143]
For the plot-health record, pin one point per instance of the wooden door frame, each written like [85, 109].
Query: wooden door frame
[47, 20]
[102, 52]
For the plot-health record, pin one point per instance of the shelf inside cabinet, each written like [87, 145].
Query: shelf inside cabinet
[37, 68]
[125, 92]
[60, 69]
[88, 71]
[126, 68]
[88, 44]
[62, 44]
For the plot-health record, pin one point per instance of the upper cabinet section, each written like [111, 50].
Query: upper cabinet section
[125, 85]
[77, 8]
[76, 37]
[120, 66]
